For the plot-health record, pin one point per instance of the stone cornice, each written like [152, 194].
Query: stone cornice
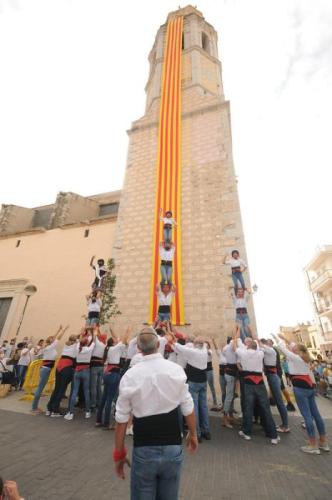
[202, 109]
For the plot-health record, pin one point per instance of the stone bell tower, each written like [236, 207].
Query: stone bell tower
[209, 210]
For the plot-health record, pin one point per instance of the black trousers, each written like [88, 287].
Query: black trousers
[62, 379]
[257, 393]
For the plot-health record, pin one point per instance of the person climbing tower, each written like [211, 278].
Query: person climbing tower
[240, 301]
[100, 272]
[165, 295]
[166, 252]
[238, 266]
[169, 222]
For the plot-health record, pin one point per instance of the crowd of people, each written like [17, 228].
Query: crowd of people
[153, 384]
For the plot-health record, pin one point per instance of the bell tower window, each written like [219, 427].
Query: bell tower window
[205, 42]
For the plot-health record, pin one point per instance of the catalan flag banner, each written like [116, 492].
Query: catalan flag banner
[168, 183]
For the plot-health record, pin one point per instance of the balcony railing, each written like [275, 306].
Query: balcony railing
[323, 279]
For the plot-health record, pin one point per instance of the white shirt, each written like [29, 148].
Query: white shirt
[115, 353]
[229, 353]
[25, 357]
[168, 220]
[70, 350]
[136, 359]
[270, 356]
[94, 306]
[165, 300]
[196, 357]
[251, 360]
[236, 263]
[50, 352]
[85, 355]
[132, 348]
[240, 301]
[162, 344]
[152, 387]
[166, 254]
[222, 358]
[296, 365]
[99, 349]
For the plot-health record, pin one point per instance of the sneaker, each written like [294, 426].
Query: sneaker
[275, 441]
[55, 415]
[69, 416]
[290, 407]
[303, 424]
[324, 447]
[47, 413]
[310, 449]
[244, 436]
[88, 414]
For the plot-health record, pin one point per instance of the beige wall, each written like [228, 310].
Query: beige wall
[57, 263]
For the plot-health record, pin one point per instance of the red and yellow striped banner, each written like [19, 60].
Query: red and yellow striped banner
[168, 189]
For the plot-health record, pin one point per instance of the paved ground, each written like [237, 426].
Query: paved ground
[54, 459]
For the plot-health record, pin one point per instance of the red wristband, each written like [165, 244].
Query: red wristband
[118, 456]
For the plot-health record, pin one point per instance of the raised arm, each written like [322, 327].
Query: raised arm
[92, 260]
[61, 333]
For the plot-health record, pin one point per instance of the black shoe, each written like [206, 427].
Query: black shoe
[199, 439]
[290, 407]
[207, 436]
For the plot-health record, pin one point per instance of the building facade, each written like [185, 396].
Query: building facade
[49, 247]
[45, 254]
[304, 333]
[319, 278]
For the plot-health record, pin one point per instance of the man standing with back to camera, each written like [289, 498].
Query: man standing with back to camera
[153, 391]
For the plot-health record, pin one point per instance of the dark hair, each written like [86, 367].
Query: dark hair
[182, 341]
[160, 331]
[109, 344]
[100, 262]
[235, 251]
[229, 339]
[168, 212]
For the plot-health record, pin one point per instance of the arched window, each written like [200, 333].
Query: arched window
[205, 42]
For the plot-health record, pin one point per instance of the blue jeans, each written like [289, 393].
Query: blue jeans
[167, 234]
[238, 277]
[275, 386]
[43, 379]
[244, 321]
[164, 316]
[83, 377]
[210, 380]
[22, 371]
[258, 393]
[96, 377]
[305, 399]
[92, 321]
[111, 384]
[222, 381]
[166, 274]
[229, 393]
[155, 472]
[198, 392]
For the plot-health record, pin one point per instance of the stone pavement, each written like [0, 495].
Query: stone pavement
[54, 459]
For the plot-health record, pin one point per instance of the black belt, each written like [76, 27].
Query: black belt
[167, 263]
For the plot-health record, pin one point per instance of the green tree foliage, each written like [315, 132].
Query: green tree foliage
[109, 307]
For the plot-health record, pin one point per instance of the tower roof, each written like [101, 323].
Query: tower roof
[185, 11]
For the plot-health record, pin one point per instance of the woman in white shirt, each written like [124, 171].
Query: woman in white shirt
[112, 375]
[23, 363]
[49, 356]
[82, 374]
[298, 359]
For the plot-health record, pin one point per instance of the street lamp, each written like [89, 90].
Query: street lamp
[29, 290]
